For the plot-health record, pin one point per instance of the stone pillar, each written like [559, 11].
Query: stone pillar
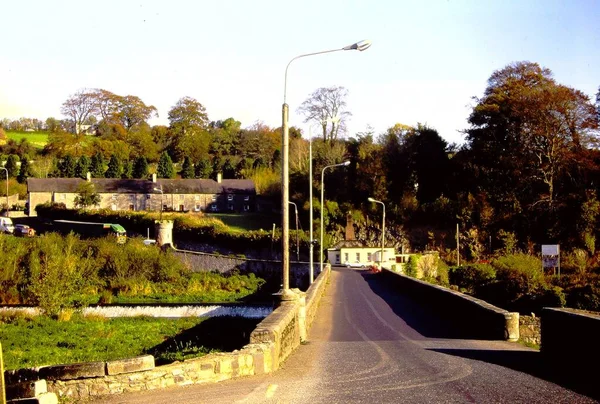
[164, 232]
[302, 314]
[511, 330]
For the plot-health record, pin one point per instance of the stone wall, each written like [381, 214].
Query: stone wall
[271, 343]
[530, 330]
[473, 318]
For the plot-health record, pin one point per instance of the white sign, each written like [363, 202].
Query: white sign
[550, 249]
[551, 256]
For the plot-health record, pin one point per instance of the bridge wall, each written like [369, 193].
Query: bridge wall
[475, 318]
[270, 344]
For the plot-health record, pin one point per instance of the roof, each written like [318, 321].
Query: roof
[353, 244]
[169, 186]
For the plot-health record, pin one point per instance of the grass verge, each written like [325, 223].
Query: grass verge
[37, 341]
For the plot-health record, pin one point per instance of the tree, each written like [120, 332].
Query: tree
[127, 170]
[12, 165]
[188, 127]
[131, 111]
[67, 167]
[140, 168]
[97, 165]
[165, 167]
[86, 195]
[82, 167]
[228, 169]
[115, 168]
[327, 107]
[187, 168]
[203, 168]
[80, 107]
[25, 171]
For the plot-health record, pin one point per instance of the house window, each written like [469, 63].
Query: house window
[132, 197]
[346, 257]
[213, 207]
[230, 207]
[230, 197]
[357, 257]
[63, 197]
[247, 197]
[113, 207]
[114, 197]
[181, 197]
[196, 197]
[214, 198]
[369, 257]
[246, 208]
[147, 196]
[197, 208]
[131, 206]
[337, 258]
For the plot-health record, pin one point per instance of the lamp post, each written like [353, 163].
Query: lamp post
[297, 241]
[345, 163]
[2, 168]
[382, 228]
[311, 270]
[285, 220]
[161, 200]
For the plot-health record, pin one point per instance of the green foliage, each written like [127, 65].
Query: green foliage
[97, 165]
[83, 167]
[127, 170]
[410, 269]
[24, 171]
[203, 168]
[165, 166]
[509, 241]
[471, 276]
[36, 341]
[585, 297]
[140, 168]
[87, 195]
[67, 167]
[115, 168]
[12, 165]
[187, 169]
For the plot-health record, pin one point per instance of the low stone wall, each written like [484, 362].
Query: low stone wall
[271, 343]
[474, 318]
[530, 329]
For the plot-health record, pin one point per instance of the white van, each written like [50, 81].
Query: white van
[6, 225]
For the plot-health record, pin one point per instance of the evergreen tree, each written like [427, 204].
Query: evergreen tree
[187, 169]
[67, 167]
[115, 169]
[240, 168]
[140, 168]
[12, 165]
[165, 166]
[228, 169]
[127, 170]
[97, 165]
[203, 169]
[83, 167]
[25, 171]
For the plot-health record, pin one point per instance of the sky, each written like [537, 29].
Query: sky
[427, 61]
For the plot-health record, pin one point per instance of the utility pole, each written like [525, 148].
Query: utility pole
[457, 245]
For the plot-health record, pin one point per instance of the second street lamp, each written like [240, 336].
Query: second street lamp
[285, 170]
[345, 163]
[382, 229]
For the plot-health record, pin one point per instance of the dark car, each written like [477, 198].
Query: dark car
[23, 230]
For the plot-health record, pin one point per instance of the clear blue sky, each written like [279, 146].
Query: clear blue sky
[427, 61]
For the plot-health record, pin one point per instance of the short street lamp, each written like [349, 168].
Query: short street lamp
[161, 199]
[382, 229]
[345, 163]
[285, 169]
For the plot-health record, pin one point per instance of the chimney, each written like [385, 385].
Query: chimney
[154, 178]
[219, 177]
[88, 177]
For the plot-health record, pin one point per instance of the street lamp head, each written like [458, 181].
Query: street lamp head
[359, 46]
[346, 163]
[371, 199]
[158, 190]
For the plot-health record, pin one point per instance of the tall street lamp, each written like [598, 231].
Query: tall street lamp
[297, 241]
[2, 168]
[161, 199]
[285, 169]
[382, 228]
[345, 163]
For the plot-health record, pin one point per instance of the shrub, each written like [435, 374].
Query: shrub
[472, 276]
[585, 297]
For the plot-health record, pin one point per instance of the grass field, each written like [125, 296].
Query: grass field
[37, 139]
[241, 222]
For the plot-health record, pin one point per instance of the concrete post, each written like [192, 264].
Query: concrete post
[164, 232]
[511, 331]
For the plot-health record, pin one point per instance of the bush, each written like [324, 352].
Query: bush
[471, 276]
[585, 297]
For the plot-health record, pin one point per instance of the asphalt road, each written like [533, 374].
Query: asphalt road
[370, 344]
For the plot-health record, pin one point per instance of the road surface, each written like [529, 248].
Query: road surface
[370, 344]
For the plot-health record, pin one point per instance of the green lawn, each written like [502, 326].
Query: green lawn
[247, 221]
[37, 139]
[38, 341]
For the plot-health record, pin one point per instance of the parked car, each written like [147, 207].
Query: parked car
[23, 230]
[355, 264]
[6, 225]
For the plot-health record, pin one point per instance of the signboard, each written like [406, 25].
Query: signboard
[551, 256]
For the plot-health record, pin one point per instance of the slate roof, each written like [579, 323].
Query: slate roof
[354, 244]
[169, 186]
